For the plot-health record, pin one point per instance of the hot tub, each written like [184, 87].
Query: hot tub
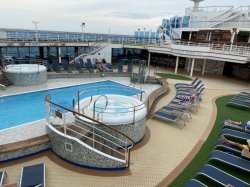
[126, 114]
[26, 74]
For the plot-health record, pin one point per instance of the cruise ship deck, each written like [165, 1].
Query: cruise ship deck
[157, 160]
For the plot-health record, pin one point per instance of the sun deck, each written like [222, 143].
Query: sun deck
[165, 147]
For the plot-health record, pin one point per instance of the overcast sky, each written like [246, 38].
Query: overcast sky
[122, 16]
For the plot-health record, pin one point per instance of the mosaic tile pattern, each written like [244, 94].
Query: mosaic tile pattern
[134, 131]
[27, 79]
[80, 154]
[23, 152]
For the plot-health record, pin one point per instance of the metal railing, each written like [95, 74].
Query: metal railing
[228, 48]
[208, 9]
[8, 60]
[58, 115]
[100, 91]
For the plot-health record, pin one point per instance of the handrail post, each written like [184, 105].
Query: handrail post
[78, 95]
[64, 122]
[93, 135]
[134, 116]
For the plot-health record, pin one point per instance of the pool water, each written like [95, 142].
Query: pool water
[24, 108]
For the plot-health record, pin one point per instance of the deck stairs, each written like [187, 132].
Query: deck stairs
[91, 50]
[85, 133]
[226, 16]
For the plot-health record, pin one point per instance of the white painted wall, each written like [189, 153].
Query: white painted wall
[105, 53]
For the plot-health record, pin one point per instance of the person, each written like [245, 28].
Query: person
[235, 144]
[100, 66]
[189, 98]
[247, 124]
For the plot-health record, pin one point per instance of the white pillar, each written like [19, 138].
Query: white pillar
[189, 62]
[210, 34]
[204, 67]
[59, 55]
[192, 68]
[149, 57]
[232, 37]
[176, 64]
[190, 35]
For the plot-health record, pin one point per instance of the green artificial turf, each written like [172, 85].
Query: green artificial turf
[223, 112]
[173, 76]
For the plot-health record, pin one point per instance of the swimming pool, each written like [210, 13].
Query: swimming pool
[28, 107]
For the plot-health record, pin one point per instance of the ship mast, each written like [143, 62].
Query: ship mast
[196, 3]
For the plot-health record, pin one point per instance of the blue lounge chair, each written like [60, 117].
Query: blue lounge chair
[194, 183]
[56, 67]
[170, 117]
[81, 62]
[228, 125]
[195, 86]
[238, 103]
[66, 67]
[230, 148]
[33, 176]
[78, 68]
[184, 105]
[120, 67]
[235, 134]
[230, 160]
[89, 66]
[191, 91]
[182, 84]
[130, 67]
[220, 176]
[2, 177]
[109, 67]
[171, 108]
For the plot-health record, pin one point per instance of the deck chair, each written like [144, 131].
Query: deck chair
[120, 67]
[186, 106]
[170, 117]
[191, 91]
[171, 108]
[33, 175]
[220, 176]
[56, 67]
[130, 67]
[109, 67]
[227, 125]
[220, 145]
[183, 84]
[81, 62]
[238, 103]
[230, 160]
[192, 87]
[89, 66]
[66, 67]
[194, 183]
[235, 134]
[78, 67]
[2, 177]
[245, 94]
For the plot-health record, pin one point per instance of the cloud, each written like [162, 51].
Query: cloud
[124, 17]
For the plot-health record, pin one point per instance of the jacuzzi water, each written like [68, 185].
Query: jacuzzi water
[120, 109]
[24, 108]
[25, 68]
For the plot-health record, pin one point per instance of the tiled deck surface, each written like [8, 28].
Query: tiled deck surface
[166, 148]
